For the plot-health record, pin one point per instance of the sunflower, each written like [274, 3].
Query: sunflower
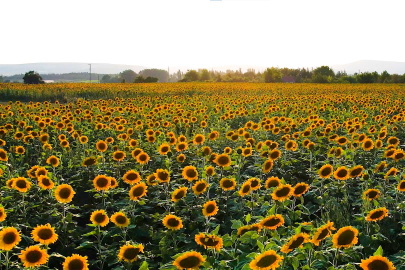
[209, 241]
[272, 182]
[3, 214]
[377, 214]
[151, 180]
[178, 194]
[300, 189]
[190, 173]
[9, 238]
[181, 146]
[101, 146]
[248, 228]
[198, 139]
[89, 161]
[377, 263]
[245, 189]
[345, 237]
[136, 152]
[227, 184]
[189, 260]
[40, 171]
[342, 173]
[295, 242]
[64, 193]
[267, 165]
[322, 233]
[210, 208]
[398, 155]
[325, 171]
[99, 218]
[102, 182]
[53, 161]
[371, 194]
[401, 186]
[356, 171]
[392, 172]
[181, 158]
[163, 176]
[129, 253]
[247, 152]
[172, 222]
[282, 193]
[20, 150]
[199, 187]
[268, 260]
[114, 182]
[393, 141]
[272, 222]
[3, 155]
[342, 140]
[222, 160]
[138, 191]
[75, 262]
[131, 177]
[206, 151]
[119, 155]
[380, 166]
[45, 234]
[254, 183]
[164, 148]
[142, 158]
[120, 220]
[21, 184]
[274, 154]
[9, 183]
[368, 144]
[33, 256]
[210, 171]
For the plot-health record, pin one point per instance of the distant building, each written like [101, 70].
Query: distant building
[49, 81]
[288, 79]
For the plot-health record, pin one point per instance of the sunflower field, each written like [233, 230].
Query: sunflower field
[202, 176]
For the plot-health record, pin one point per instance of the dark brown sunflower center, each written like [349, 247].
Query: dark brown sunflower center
[3, 155]
[297, 242]
[200, 187]
[163, 176]
[191, 173]
[367, 144]
[283, 192]
[326, 171]
[378, 265]
[131, 253]
[289, 145]
[119, 155]
[271, 222]
[121, 219]
[210, 208]
[346, 237]
[372, 194]
[274, 155]
[89, 161]
[132, 176]
[402, 185]
[76, 264]
[142, 157]
[210, 242]
[266, 261]
[64, 193]
[33, 256]
[9, 238]
[102, 146]
[102, 182]
[300, 189]
[173, 222]
[356, 172]
[254, 183]
[246, 189]
[228, 183]
[198, 139]
[99, 218]
[323, 234]
[267, 165]
[46, 182]
[342, 173]
[138, 191]
[272, 183]
[179, 194]
[45, 234]
[181, 146]
[164, 149]
[377, 214]
[190, 262]
[223, 160]
[21, 184]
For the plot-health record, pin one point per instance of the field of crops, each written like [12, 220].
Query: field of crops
[202, 176]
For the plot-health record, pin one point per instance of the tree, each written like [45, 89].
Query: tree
[272, 75]
[139, 79]
[384, 77]
[151, 80]
[205, 75]
[366, 77]
[324, 71]
[33, 77]
[106, 78]
[1, 79]
[128, 75]
[162, 75]
[191, 76]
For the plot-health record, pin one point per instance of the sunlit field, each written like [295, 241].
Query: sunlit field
[202, 176]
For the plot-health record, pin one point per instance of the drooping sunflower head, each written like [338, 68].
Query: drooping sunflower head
[189, 260]
[172, 222]
[138, 191]
[75, 262]
[178, 194]
[64, 193]
[371, 194]
[268, 260]
[9, 238]
[356, 171]
[282, 193]
[151, 180]
[322, 233]
[345, 237]
[377, 263]
[227, 183]
[325, 171]
[99, 218]
[209, 241]
[377, 214]
[40, 171]
[210, 208]
[102, 182]
[33, 256]
[267, 166]
[131, 177]
[342, 173]
[295, 242]
[248, 228]
[274, 154]
[272, 182]
[129, 253]
[401, 186]
[272, 222]
[210, 171]
[44, 234]
[391, 172]
[120, 220]
[300, 189]
[245, 189]
[89, 161]
[3, 155]
[199, 187]
[223, 160]
[190, 173]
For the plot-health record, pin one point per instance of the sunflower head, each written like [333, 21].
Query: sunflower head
[178, 194]
[3, 214]
[245, 189]
[268, 260]
[272, 182]
[322, 233]
[199, 187]
[131, 177]
[267, 166]
[190, 173]
[272, 222]
[223, 160]
[227, 183]
[282, 193]
[64, 193]
[345, 237]
[300, 189]
[99, 218]
[295, 242]
[371, 194]
[377, 214]
[377, 263]
[189, 260]
[210, 208]
[102, 182]
[9, 238]
[44, 234]
[120, 220]
[342, 173]
[138, 191]
[129, 253]
[172, 222]
[75, 262]
[33, 256]
[325, 171]
[209, 241]
[163, 176]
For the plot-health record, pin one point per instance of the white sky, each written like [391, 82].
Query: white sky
[202, 33]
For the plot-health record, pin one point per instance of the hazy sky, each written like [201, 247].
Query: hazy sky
[202, 33]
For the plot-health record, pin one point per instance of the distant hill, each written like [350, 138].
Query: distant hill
[60, 68]
[371, 66]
